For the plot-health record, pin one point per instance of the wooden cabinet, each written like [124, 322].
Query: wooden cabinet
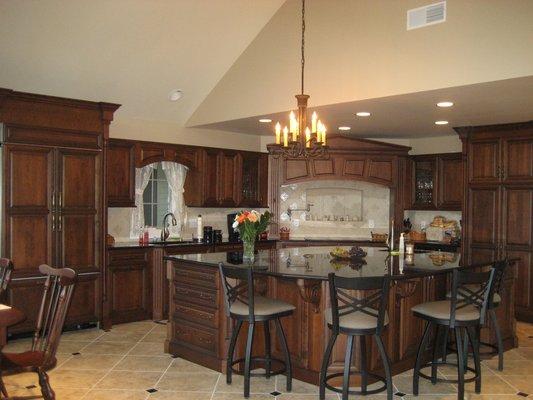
[52, 203]
[499, 216]
[120, 173]
[254, 180]
[129, 285]
[436, 182]
[229, 178]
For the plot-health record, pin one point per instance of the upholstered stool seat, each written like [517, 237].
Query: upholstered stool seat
[441, 310]
[357, 320]
[263, 307]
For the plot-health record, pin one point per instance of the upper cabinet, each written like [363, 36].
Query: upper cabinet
[436, 182]
[216, 177]
[120, 170]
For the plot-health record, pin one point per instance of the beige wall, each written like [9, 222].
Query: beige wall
[439, 144]
[361, 49]
[156, 131]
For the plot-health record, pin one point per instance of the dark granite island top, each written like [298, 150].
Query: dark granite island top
[199, 329]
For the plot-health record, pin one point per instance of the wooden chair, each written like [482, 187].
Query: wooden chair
[6, 268]
[58, 289]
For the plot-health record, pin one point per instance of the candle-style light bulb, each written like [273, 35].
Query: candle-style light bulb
[278, 133]
[285, 136]
[314, 122]
[307, 137]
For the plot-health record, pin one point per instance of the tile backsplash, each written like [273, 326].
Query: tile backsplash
[421, 219]
[334, 209]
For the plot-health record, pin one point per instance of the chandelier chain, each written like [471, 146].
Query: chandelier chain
[303, 43]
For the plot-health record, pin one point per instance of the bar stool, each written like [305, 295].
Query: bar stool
[500, 268]
[242, 305]
[353, 317]
[465, 311]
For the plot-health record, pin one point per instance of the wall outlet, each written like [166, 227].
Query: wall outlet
[371, 223]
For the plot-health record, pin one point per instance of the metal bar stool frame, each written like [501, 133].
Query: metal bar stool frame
[348, 305]
[241, 292]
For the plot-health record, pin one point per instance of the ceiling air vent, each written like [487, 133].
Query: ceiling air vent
[428, 15]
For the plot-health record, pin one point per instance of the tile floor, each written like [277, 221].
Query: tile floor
[128, 363]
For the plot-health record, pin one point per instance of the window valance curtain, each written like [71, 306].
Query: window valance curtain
[176, 174]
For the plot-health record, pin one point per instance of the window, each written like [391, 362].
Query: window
[156, 198]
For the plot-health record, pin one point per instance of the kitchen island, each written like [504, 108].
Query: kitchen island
[199, 330]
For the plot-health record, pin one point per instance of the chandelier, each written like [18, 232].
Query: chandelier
[298, 140]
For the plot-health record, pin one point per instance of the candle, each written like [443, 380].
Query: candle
[278, 133]
[313, 123]
[307, 137]
[285, 137]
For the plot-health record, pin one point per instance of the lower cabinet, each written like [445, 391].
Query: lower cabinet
[128, 285]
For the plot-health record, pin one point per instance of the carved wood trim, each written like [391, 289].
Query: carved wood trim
[310, 292]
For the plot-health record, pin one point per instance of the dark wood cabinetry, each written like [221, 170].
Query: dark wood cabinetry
[129, 285]
[120, 173]
[53, 197]
[499, 201]
[436, 182]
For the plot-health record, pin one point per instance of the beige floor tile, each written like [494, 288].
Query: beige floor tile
[116, 348]
[182, 396]
[61, 393]
[144, 363]
[21, 380]
[69, 347]
[433, 397]
[196, 382]
[101, 394]
[17, 346]
[257, 385]
[156, 335]
[522, 383]
[121, 336]
[129, 380]
[405, 385]
[232, 396]
[149, 349]
[524, 352]
[294, 396]
[180, 365]
[298, 387]
[69, 378]
[84, 335]
[91, 362]
[491, 384]
[138, 327]
[512, 367]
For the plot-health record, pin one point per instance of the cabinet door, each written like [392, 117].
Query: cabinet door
[28, 204]
[263, 180]
[484, 218]
[518, 159]
[250, 180]
[79, 182]
[210, 173]
[295, 170]
[424, 191]
[229, 178]
[129, 285]
[484, 161]
[450, 182]
[120, 176]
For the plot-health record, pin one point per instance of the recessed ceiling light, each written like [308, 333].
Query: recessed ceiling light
[344, 128]
[265, 120]
[444, 104]
[441, 122]
[363, 114]
[175, 95]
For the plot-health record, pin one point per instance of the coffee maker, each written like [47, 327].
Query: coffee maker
[233, 235]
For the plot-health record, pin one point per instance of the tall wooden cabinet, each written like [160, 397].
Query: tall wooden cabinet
[52, 204]
[499, 201]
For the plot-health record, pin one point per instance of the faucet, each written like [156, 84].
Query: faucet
[307, 209]
[165, 232]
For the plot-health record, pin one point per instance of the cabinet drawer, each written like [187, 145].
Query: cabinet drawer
[191, 295]
[128, 256]
[200, 315]
[200, 337]
[197, 276]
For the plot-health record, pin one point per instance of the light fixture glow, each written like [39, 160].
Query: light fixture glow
[444, 104]
[344, 128]
[363, 114]
[441, 122]
[175, 95]
[265, 120]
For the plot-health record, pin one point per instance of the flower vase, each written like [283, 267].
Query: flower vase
[248, 255]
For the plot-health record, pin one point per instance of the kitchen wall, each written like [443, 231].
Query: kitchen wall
[421, 219]
[119, 221]
[339, 210]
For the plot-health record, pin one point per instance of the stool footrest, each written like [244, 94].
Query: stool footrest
[373, 391]
[261, 359]
[428, 377]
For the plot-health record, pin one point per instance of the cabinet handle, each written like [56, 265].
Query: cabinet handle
[53, 199]
[502, 170]
[53, 222]
[60, 222]
[60, 199]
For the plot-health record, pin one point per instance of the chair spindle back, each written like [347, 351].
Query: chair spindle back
[242, 290]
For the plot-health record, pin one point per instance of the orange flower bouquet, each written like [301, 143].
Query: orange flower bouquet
[250, 224]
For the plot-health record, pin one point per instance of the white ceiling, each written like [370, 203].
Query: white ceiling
[131, 52]
[413, 115]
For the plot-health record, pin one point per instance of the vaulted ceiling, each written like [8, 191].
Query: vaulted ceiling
[237, 60]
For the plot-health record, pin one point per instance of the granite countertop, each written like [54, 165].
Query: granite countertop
[134, 244]
[317, 263]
